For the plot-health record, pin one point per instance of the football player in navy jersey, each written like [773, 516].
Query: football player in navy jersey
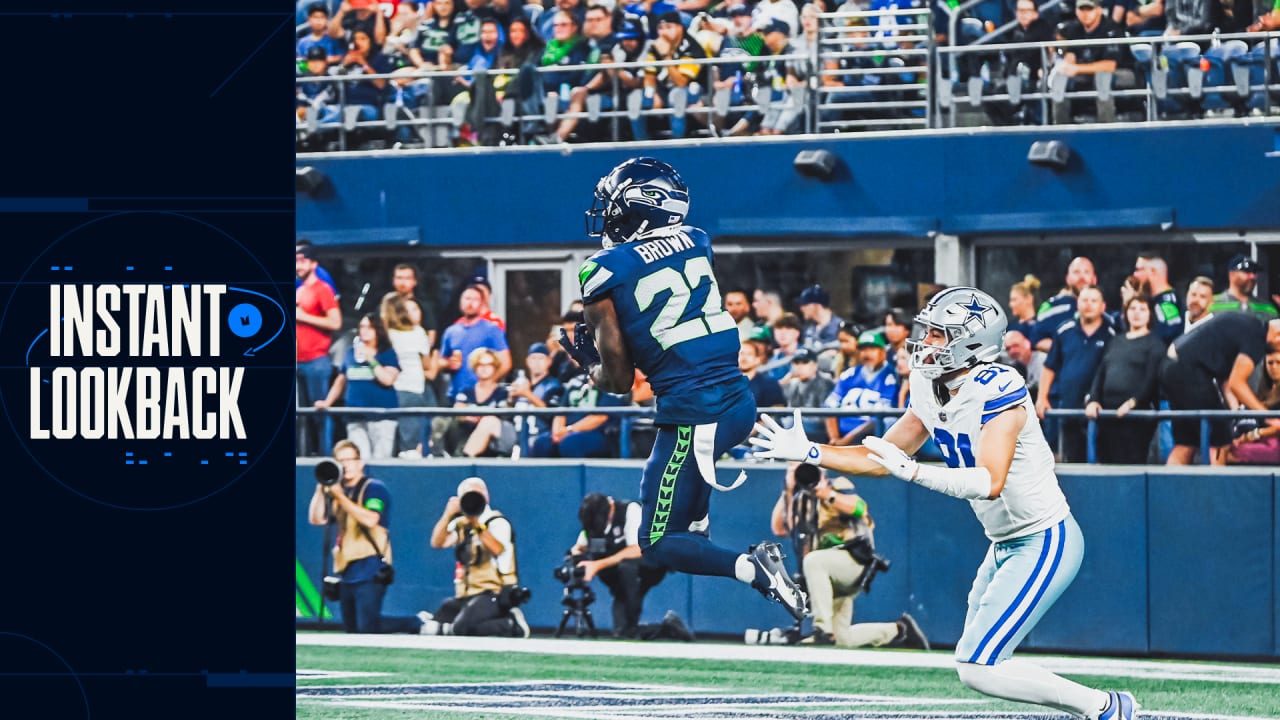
[652, 302]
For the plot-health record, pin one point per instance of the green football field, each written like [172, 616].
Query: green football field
[383, 677]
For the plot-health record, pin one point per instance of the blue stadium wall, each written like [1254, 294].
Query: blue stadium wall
[1188, 177]
[1178, 563]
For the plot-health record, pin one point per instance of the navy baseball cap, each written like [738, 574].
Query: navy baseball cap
[630, 30]
[776, 26]
[813, 293]
[316, 52]
[737, 10]
[1243, 263]
[804, 355]
[539, 349]
[306, 250]
[671, 16]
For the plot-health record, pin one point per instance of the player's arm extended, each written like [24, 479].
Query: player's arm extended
[984, 481]
[908, 433]
[616, 372]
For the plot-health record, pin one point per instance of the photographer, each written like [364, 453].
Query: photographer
[361, 508]
[484, 577]
[832, 530]
[609, 548]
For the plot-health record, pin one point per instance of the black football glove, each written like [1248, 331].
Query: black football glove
[582, 348]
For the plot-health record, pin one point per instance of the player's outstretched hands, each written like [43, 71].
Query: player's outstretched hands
[582, 348]
[779, 443]
[891, 457]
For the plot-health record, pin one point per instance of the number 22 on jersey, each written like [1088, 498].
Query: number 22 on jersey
[667, 328]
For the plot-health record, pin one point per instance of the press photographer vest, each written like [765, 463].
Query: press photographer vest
[476, 569]
[615, 536]
[353, 543]
[847, 527]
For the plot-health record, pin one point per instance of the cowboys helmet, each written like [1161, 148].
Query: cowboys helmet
[639, 196]
[973, 324]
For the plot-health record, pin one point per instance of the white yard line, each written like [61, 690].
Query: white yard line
[1151, 669]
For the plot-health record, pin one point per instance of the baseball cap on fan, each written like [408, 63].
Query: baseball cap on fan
[1243, 263]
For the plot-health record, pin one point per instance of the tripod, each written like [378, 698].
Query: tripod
[577, 599]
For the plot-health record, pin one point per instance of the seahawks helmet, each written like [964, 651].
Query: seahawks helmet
[973, 324]
[639, 196]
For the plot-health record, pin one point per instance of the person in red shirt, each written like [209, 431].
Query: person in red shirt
[318, 317]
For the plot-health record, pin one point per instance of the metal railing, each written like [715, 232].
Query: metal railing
[628, 417]
[888, 76]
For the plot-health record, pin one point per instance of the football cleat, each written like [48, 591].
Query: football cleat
[1122, 706]
[911, 636]
[773, 582]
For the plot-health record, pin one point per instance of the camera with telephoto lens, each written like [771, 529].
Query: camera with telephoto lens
[807, 477]
[328, 472]
[570, 572]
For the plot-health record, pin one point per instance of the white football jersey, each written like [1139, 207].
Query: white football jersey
[1031, 500]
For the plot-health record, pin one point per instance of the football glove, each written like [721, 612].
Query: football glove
[891, 458]
[582, 348]
[779, 443]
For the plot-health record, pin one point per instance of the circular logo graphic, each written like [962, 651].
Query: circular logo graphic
[244, 320]
[150, 360]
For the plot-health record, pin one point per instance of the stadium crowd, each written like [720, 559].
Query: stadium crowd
[769, 50]
[1161, 350]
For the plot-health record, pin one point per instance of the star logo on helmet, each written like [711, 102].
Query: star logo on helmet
[976, 310]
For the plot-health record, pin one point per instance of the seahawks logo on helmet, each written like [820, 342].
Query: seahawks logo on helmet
[972, 324]
[639, 196]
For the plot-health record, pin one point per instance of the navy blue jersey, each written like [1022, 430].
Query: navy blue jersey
[673, 321]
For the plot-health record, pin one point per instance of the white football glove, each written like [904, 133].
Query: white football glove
[779, 443]
[891, 458]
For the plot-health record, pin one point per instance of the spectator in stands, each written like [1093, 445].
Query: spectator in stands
[873, 383]
[540, 390]
[809, 388]
[1059, 309]
[1242, 281]
[404, 279]
[546, 21]
[1151, 278]
[367, 379]
[674, 86]
[1181, 17]
[486, 301]
[581, 433]
[1199, 298]
[521, 49]
[1220, 353]
[484, 602]
[739, 308]
[1145, 17]
[1077, 67]
[1070, 366]
[362, 15]
[751, 357]
[1263, 59]
[466, 30]
[1024, 298]
[820, 324]
[563, 368]
[470, 332]
[897, 328]
[318, 316]
[786, 338]
[735, 38]
[483, 435]
[318, 25]
[1261, 445]
[364, 58]
[1022, 357]
[315, 102]
[648, 12]
[361, 509]
[1124, 382]
[303, 245]
[1022, 67]
[416, 361]
[767, 305]
[597, 33]
[782, 78]
[435, 29]
[847, 355]
[566, 46]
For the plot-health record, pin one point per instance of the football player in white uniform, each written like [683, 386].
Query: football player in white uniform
[982, 418]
